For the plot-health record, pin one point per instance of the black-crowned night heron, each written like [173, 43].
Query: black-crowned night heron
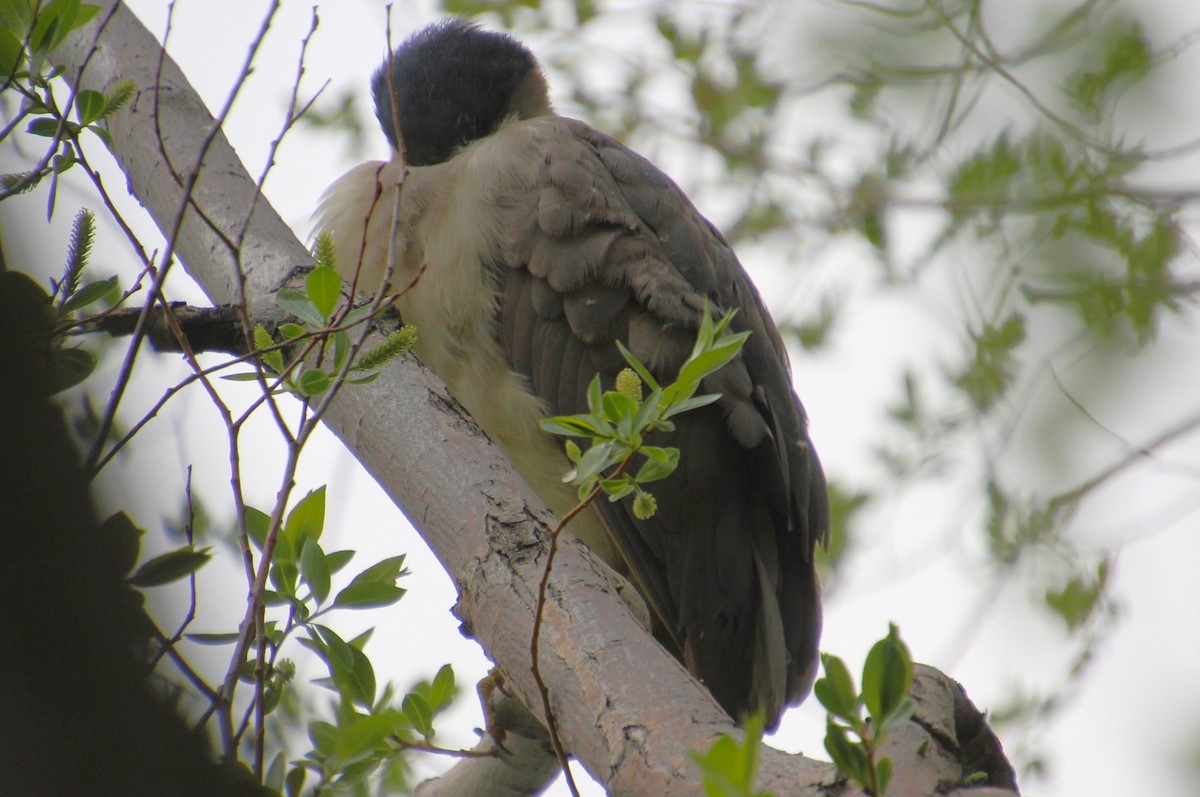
[543, 242]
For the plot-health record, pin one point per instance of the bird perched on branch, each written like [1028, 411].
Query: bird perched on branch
[536, 243]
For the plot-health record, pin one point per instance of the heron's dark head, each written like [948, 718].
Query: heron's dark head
[452, 83]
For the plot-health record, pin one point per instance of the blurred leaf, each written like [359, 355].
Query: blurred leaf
[984, 180]
[729, 767]
[1078, 598]
[988, 376]
[69, 367]
[90, 294]
[835, 692]
[123, 539]
[170, 566]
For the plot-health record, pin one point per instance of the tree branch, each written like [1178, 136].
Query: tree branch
[625, 708]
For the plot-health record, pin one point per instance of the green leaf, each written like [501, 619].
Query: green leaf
[300, 306]
[616, 489]
[294, 783]
[11, 51]
[365, 735]
[636, 365]
[729, 768]
[887, 675]
[376, 586]
[89, 294]
[349, 667]
[896, 720]
[883, 774]
[43, 126]
[307, 518]
[337, 560]
[594, 394]
[836, 692]
[419, 714]
[368, 594]
[595, 460]
[89, 105]
[443, 689]
[170, 566]
[617, 406]
[385, 571]
[341, 348]
[569, 426]
[712, 361]
[848, 757]
[659, 466]
[291, 331]
[213, 639]
[985, 179]
[314, 569]
[693, 403]
[274, 778]
[284, 572]
[323, 736]
[313, 382]
[257, 524]
[324, 288]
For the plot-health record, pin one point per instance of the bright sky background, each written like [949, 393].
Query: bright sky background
[1127, 733]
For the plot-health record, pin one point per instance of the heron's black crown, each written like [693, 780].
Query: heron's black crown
[453, 83]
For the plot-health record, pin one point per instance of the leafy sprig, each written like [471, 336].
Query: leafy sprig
[619, 421]
[852, 740]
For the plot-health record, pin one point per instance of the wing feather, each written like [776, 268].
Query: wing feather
[604, 246]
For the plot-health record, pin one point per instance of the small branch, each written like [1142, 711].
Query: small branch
[555, 533]
[421, 747]
[205, 328]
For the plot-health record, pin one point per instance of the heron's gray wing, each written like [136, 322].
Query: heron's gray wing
[605, 247]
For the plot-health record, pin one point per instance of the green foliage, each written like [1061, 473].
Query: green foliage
[619, 421]
[370, 723]
[1076, 600]
[170, 566]
[51, 316]
[317, 308]
[30, 30]
[729, 767]
[990, 373]
[852, 741]
[1125, 59]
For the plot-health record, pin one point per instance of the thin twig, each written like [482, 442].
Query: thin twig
[535, 642]
[420, 747]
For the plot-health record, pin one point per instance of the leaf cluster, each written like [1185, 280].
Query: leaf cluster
[29, 32]
[853, 740]
[618, 421]
[370, 722]
[729, 767]
[317, 308]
